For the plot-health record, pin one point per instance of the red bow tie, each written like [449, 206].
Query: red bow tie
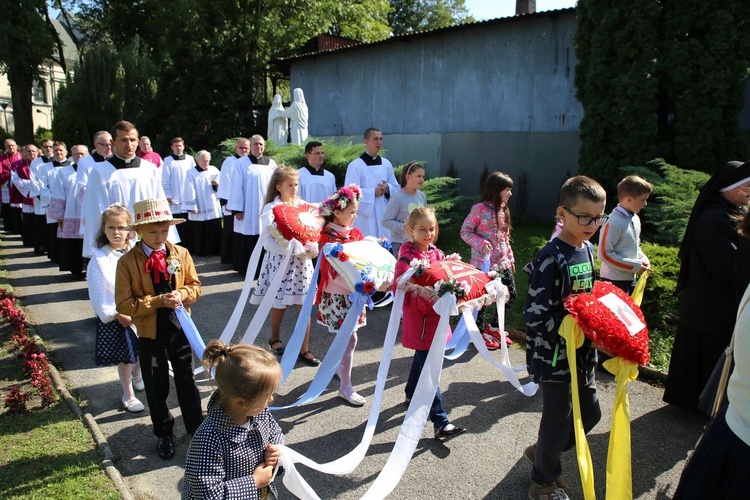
[157, 262]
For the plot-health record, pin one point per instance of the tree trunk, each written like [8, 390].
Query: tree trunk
[20, 88]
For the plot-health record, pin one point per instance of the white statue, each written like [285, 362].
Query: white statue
[277, 122]
[298, 116]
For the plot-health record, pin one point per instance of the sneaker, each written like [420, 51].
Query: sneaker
[490, 342]
[448, 430]
[138, 383]
[530, 453]
[495, 333]
[547, 492]
[133, 405]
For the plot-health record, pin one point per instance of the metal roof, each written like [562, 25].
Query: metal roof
[421, 34]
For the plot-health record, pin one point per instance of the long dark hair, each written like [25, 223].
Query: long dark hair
[491, 194]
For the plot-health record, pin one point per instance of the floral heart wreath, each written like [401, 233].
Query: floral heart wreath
[340, 199]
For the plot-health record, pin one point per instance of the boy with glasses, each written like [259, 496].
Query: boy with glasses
[563, 267]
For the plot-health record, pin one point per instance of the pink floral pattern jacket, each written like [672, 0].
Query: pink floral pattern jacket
[483, 225]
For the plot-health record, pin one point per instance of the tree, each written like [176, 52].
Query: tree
[704, 56]
[109, 85]
[419, 15]
[213, 59]
[660, 79]
[25, 42]
[616, 83]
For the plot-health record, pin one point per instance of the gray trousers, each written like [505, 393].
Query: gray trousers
[556, 428]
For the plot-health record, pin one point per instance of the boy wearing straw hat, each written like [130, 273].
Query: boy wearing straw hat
[153, 279]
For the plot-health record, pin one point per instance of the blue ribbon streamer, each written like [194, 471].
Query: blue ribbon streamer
[333, 357]
[289, 359]
[191, 332]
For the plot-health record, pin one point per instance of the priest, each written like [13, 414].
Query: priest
[248, 190]
[123, 178]
[374, 175]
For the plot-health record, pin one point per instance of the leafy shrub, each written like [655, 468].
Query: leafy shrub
[675, 190]
[660, 304]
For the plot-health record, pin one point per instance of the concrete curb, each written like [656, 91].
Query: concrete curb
[108, 461]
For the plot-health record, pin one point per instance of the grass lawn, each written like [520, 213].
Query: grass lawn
[46, 453]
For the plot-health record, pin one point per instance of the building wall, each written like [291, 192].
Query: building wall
[52, 78]
[499, 94]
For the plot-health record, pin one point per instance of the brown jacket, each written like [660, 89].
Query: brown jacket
[134, 290]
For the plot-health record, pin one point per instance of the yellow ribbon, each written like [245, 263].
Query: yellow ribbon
[574, 337]
[619, 467]
[640, 287]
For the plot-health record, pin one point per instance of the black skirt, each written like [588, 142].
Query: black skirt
[115, 344]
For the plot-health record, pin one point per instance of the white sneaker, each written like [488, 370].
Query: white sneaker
[134, 405]
[138, 383]
[355, 399]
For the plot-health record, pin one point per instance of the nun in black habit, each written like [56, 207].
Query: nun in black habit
[706, 283]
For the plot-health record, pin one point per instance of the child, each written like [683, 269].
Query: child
[563, 267]
[620, 244]
[419, 318]
[402, 202]
[487, 231]
[116, 342]
[153, 279]
[283, 189]
[333, 300]
[235, 450]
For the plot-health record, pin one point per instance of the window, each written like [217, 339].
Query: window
[39, 92]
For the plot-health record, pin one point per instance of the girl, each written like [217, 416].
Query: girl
[419, 318]
[235, 450]
[283, 189]
[487, 231]
[333, 300]
[116, 342]
[403, 202]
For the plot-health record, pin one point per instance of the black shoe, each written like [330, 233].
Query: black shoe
[166, 447]
[278, 351]
[311, 361]
[448, 430]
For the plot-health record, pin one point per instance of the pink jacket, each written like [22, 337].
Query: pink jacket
[420, 320]
[481, 227]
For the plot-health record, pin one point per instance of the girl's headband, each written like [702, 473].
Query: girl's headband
[340, 199]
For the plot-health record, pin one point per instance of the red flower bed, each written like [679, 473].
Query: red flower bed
[35, 362]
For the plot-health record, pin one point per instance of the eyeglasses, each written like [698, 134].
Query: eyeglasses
[106, 145]
[587, 220]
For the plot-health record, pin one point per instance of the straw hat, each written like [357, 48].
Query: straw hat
[153, 210]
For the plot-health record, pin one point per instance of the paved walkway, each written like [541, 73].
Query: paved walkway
[486, 462]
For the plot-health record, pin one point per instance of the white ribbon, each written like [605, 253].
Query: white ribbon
[239, 308]
[264, 308]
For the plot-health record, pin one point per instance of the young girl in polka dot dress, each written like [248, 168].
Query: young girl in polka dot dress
[283, 188]
[116, 342]
[235, 450]
[339, 210]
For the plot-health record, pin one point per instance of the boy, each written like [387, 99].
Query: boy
[619, 244]
[563, 267]
[153, 279]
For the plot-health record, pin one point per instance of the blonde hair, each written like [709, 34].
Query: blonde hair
[281, 174]
[416, 216]
[241, 371]
[114, 210]
[635, 186]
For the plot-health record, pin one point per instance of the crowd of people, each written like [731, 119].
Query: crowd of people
[84, 212]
